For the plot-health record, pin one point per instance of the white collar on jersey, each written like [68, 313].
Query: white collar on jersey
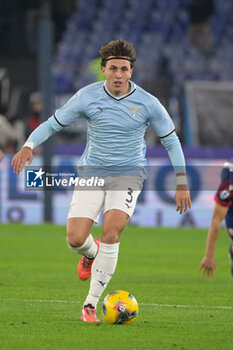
[132, 89]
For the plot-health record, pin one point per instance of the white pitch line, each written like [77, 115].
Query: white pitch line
[190, 306]
[141, 304]
[40, 301]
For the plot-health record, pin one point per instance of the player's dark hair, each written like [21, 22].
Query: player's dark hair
[118, 48]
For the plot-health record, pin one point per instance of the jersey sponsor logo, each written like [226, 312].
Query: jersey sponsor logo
[224, 194]
[135, 111]
[101, 109]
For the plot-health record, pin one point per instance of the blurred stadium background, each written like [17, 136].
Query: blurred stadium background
[184, 57]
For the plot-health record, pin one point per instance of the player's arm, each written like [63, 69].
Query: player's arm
[173, 146]
[165, 129]
[39, 135]
[208, 263]
[63, 117]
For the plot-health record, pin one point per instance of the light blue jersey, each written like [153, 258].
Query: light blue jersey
[116, 126]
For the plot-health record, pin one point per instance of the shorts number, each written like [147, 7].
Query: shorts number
[130, 199]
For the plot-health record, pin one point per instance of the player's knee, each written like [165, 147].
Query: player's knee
[74, 239]
[110, 236]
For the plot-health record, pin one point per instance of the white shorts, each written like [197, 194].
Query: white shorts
[117, 193]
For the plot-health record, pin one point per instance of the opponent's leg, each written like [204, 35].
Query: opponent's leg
[231, 257]
[229, 224]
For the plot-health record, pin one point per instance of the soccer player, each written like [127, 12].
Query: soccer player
[118, 113]
[223, 209]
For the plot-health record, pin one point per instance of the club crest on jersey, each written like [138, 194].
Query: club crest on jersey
[134, 111]
[224, 194]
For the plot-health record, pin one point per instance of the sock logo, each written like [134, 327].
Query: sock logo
[102, 283]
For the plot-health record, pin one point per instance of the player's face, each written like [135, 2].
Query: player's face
[117, 73]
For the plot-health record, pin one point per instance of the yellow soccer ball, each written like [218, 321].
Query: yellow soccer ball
[120, 307]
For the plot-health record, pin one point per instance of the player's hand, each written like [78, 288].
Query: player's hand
[20, 159]
[182, 198]
[208, 265]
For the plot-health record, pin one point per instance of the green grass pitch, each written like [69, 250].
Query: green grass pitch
[41, 295]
